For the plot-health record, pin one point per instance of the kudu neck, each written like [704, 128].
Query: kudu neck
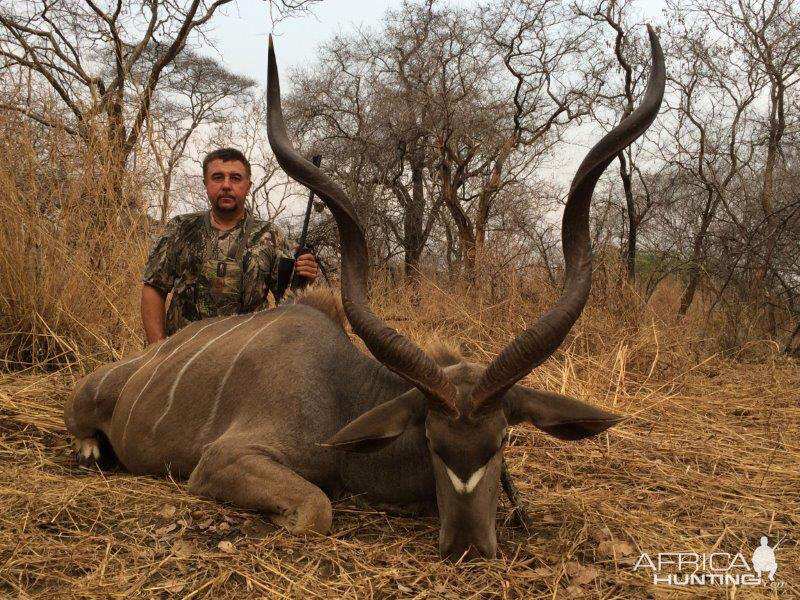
[375, 385]
[399, 474]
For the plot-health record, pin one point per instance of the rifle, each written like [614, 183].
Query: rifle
[779, 542]
[302, 248]
[286, 272]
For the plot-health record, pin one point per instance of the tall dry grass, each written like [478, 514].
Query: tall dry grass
[71, 256]
[73, 251]
[618, 321]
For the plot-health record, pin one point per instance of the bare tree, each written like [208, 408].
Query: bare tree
[87, 53]
[365, 104]
[732, 61]
[532, 84]
[617, 101]
[196, 91]
[446, 107]
[768, 33]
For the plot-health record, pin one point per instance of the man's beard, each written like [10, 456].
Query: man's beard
[226, 209]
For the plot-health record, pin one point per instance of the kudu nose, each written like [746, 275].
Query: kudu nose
[455, 552]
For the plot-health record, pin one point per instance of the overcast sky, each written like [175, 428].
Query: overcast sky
[239, 33]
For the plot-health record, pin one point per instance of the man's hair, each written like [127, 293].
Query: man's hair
[225, 154]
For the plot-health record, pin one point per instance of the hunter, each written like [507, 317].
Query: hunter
[221, 261]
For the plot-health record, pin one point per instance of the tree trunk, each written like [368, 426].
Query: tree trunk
[469, 253]
[691, 285]
[481, 220]
[413, 218]
[776, 128]
[697, 253]
[466, 234]
[166, 181]
[117, 148]
[451, 251]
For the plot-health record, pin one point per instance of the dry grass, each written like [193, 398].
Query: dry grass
[708, 462]
[71, 258]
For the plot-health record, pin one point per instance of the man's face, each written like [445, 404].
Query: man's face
[227, 185]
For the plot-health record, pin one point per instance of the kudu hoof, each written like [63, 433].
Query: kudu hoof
[87, 451]
[95, 452]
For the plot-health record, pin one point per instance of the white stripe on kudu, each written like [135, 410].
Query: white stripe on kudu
[186, 366]
[151, 359]
[221, 386]
[465, 487]
[178, 347]
[111, 370]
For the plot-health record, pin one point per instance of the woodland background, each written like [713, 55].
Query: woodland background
[454, 131]
[440, 124]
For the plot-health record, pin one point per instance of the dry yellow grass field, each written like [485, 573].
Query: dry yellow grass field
[708, 461]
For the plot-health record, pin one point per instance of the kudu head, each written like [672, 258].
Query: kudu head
[466, 408]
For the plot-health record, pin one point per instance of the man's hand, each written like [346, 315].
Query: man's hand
[306, 267]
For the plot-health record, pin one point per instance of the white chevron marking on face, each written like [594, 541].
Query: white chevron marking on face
[171, 398]
[465, 487]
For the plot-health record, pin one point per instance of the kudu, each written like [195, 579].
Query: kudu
[267, 410]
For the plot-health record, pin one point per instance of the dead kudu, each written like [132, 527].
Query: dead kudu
[267, 410]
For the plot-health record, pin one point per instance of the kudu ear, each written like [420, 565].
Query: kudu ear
[381, 425]
[561, 416]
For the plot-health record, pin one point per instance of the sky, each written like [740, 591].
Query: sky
[239, 34]
[240, 30]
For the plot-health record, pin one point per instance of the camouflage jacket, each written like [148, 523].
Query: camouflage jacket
[212, 272]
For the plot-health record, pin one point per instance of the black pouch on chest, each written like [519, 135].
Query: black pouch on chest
[225, 276]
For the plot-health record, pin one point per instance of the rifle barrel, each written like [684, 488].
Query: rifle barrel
[779, 542]
[316, 160]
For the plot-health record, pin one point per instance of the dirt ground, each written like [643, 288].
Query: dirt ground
[707, 463]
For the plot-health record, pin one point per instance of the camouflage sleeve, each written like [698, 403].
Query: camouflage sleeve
[160, 271]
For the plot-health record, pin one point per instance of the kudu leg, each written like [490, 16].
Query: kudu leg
[244, 474]
[84, 415]
[519, 514]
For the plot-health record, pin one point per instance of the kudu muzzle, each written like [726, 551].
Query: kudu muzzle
[467, 514]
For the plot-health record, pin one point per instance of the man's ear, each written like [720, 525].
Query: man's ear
[380, 426]
[561, 416]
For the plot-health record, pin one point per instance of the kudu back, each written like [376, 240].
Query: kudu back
[278, 410]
